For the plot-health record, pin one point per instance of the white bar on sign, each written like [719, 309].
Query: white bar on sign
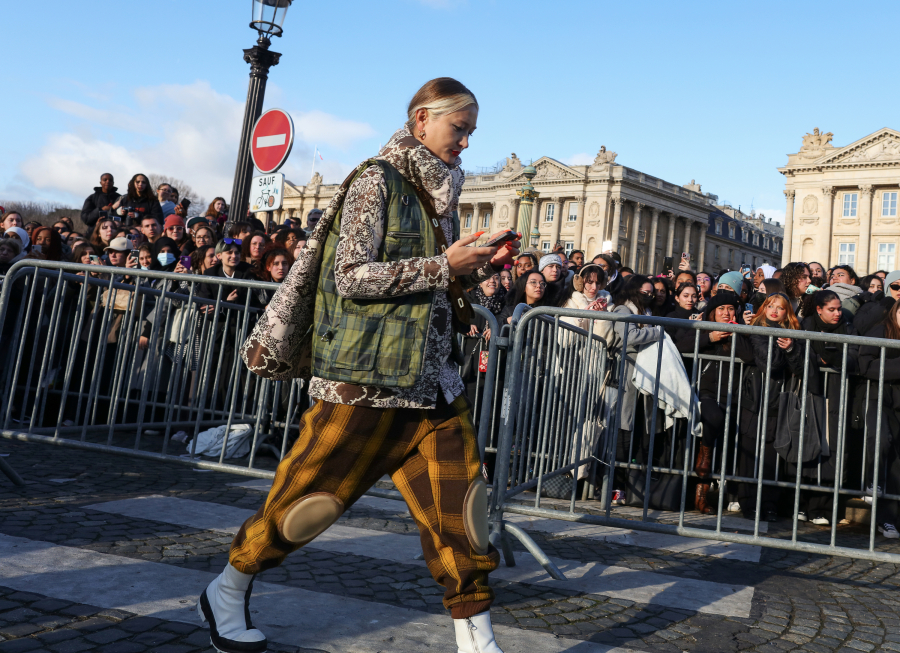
[271, 141]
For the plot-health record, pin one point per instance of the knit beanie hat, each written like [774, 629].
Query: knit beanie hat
[173, 221]
[723, 299]
[891, 278]
[733, 279]
[548, 259]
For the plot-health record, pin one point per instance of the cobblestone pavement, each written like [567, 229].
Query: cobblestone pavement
[800, 602]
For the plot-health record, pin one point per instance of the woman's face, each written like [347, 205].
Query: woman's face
[831, 312]
[758, 277]
[7, 253]
[506, 279]
[534, 287]
[803, 282]
[279, 267]
[649, 293]
[175, 232]
[660, 289]
[141, 184]
[683, 277]
[448, 135]
[724, 314]
[85, 257]
[775, 311]
[43, 239]
[704, 282]
[591, 287]
[145, 258]
[817, 270]
[219, 206]
[257, 244]
[489, 286]
[687, 299]
[762, 287]
[298, 247]
[840, 275]
[876, 285]
[523, 265]
[209, 259]
[290, 242]
[202, 237]
[107, 231]
[167, 249]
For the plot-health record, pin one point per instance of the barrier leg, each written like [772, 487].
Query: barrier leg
[10, 473]
[535, 550]
[501, 542]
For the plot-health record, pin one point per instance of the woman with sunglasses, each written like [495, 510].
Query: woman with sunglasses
[786, 360]
[636, 297]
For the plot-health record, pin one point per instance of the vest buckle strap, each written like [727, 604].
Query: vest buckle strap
[459, 301]
[405, 200]
[435, 222]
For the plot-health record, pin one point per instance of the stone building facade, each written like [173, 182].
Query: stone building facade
[842, 201]
[592, 208]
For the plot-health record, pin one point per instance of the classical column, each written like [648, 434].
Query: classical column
[701, 260]
[579, 221]
[557, 222]
[865, 228]
[536, 225]
[617, 222]
[476, 217]
[670, 242]
[514, 214]
[651, 258]
[786, 252]
[828, 227]
[634, 237]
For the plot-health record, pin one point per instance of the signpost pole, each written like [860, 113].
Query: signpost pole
[260, 59]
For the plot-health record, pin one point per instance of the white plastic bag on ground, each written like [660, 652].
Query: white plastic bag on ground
[209, 442]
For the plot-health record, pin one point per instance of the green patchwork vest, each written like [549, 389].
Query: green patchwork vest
[379, 342]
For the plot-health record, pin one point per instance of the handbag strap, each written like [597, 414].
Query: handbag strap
[459, 300]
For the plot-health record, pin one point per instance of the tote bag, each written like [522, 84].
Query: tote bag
[787, 431]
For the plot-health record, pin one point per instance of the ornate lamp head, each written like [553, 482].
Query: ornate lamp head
[268, 17]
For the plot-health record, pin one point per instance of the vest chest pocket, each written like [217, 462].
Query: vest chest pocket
[400, 245]
[357, 342]
[397, 342]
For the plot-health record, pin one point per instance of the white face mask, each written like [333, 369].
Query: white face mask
[165, 258]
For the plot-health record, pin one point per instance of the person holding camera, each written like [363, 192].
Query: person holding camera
[138, 202]
[102, 199]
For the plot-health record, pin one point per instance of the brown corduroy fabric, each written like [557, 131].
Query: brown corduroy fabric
[432, 457]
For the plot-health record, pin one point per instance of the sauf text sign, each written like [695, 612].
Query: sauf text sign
[266, 192]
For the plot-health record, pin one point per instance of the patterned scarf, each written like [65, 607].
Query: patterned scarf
[495, 303]
[424, 170]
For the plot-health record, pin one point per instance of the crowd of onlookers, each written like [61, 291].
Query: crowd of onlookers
[799, 296]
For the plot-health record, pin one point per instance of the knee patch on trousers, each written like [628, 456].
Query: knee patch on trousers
[309, 517]
[475, 517]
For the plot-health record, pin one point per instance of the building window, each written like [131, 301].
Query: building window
[887, 254]
[745, 235]
[850, 205]
[718, 227]
[775, 246]
[570, 245]
[846, 253]
[731, 230]
[717, 252]
[551, 209]
[486, 222]
[545, 246]
[889, 205]
[573, 211]
[468, 220]
[766, 242]
[756, 240]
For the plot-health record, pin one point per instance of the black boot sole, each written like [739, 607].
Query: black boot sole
[220, 643]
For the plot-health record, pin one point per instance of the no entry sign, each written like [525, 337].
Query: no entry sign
[271, 140]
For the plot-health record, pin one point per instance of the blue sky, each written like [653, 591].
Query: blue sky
[719, 92]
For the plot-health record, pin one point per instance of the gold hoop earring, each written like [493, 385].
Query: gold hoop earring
[421, 134]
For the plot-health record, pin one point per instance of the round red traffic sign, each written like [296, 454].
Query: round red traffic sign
[271, 140]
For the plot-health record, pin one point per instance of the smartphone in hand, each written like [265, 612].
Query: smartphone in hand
[185, 262]
[505, 237]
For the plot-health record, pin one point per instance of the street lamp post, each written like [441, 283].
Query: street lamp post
[528, 195]
[268, 17]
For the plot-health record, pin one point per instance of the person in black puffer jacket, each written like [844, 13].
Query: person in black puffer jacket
[142, 201]
[872, 312]
[102, 199]
[787, 360]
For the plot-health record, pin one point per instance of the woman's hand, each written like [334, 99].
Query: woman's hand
[507, 252]
[716, 336]
[473, 331]
[180, 269]
[117, 203]
[748, 316]
[487, 334]
[785, 343]
[143, 342]
[132, 263]
[232, 296]
[684, 265]
[463, 260]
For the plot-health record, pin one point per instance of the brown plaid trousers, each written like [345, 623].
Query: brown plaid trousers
[432, 457]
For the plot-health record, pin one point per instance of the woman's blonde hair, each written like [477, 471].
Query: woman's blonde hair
[790, 320]
[439, 96]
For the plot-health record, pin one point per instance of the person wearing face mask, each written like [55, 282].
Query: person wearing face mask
[873, 312]
[817, 274]
[786, 360]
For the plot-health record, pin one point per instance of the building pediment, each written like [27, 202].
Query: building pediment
[881, 146]
[291, 189]
[549, 170]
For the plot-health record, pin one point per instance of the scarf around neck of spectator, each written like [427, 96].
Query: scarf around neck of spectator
[832, 356]
[424, 170]
[495, 303]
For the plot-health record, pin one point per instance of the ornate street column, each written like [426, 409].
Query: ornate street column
[557, 222]
[701, 260]
[617, 222]
[828, 228]
[670, 242]
[654, 223]
[865, 228]
[787, 242]
[536, 226]
[526, 205]
[634, 236]
[579, 221]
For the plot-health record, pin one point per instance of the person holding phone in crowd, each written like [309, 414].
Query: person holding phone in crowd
[138, 202]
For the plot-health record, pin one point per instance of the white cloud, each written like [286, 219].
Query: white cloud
[186, 131]
[580, 159]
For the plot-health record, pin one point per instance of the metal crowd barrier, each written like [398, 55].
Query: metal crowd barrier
[539, 444]
[118, 360]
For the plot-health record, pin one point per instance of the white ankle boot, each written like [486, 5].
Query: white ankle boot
[225, 604]
[475, 635]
